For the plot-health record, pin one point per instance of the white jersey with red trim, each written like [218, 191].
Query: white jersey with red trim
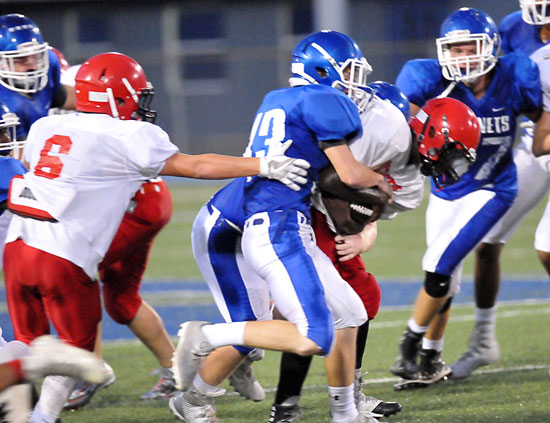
[385, 148]
[83, 171]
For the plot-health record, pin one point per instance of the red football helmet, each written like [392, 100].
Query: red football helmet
[114, 84]
[62, 61]
[448, 134]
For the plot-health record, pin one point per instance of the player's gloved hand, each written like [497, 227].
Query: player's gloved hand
[291, 172]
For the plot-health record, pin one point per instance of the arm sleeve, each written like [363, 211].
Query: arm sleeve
[528, 80]
[414, 80]
[148, 148]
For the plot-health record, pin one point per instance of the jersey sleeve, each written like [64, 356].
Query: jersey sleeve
[331, 116]
[505, 29]
[148, 148]
[9, 168]
[417, 79]
[528, 82]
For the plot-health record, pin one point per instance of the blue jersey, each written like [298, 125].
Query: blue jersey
[518, 36]
[29, 108]
[514, 89]
[313, 117]
[230, 202]
[9, 167]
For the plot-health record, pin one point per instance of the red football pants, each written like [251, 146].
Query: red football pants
[352, 271]
[124, 264]
[43, 288]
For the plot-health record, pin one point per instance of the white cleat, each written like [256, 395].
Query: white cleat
[50, 356]
[244, 381]
[193, 407]
[483, 350]
[192, 349]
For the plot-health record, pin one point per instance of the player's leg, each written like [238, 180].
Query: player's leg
[452, 231]
[483, 349]
[277, 246]
[542, 239]
[122, 270]
[240, 296]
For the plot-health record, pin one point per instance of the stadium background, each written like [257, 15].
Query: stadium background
[211, 62]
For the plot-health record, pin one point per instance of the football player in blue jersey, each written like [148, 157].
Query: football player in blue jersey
[29, 73]
[316, 117]
[524, 32]
[460, 213]
[9, 167]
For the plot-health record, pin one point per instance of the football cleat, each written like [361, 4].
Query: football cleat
[483, 350]
[84, 391]
[192, 349]
[371, 406]
[405, 363]
[165, 387]
[432, 369]
[50, 356]
[285, 414]
[193, 407]
[244, 381]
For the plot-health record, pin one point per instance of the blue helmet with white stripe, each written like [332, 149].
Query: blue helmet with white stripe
[334, 59]
[24, 62]
[468, 29]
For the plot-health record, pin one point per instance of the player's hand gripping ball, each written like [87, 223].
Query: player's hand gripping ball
[350, 209]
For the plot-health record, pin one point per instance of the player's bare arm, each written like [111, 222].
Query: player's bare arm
[289, 171]
[353, 173]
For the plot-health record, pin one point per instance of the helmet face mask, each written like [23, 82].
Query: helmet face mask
[8, 137]
[332, 58]
[447, 133]
[535, 12]
[467, 29]
[24, 61]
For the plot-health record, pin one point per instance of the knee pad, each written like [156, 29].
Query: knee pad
[437, 285]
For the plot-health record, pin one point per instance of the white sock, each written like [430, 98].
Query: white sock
[415, 327]
[203, 387]
[222, 334]
[54, 393]
[486, 315]
[429, 344]
[342, 403]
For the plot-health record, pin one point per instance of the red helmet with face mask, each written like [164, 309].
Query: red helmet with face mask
[114, 84]
[448, 134]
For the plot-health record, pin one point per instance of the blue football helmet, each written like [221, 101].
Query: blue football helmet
[334, 59]
[535, 12]
[8, 124]
[468, 26]
[24, 60]
[394, 95]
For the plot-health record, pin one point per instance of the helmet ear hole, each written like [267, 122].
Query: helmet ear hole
[322, 72]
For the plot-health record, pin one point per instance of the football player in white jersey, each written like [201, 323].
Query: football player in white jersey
[83, 170]
[523, 32]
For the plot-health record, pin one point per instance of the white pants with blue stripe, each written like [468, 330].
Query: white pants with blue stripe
[282, 260]
[454, 228]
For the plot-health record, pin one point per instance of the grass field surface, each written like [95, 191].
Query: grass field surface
[514, 390]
